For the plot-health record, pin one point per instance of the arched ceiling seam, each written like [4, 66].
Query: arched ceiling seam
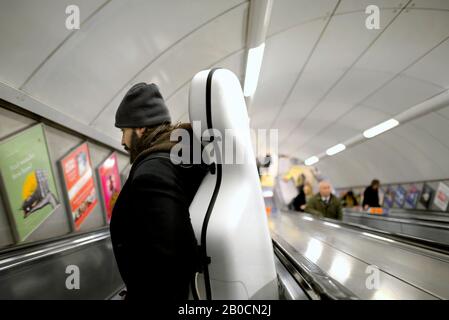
[309, 56]
[342, 76]
[362, 102]
[162, 53]
[64, 41]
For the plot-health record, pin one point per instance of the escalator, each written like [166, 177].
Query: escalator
[78, 266]
[349, 256]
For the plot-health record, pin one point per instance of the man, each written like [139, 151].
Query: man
[371, 195]
[152, 236]
[324, 203]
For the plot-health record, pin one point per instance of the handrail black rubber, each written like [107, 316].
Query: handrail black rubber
[399, 237]
[20, 256]
[323, 286]
[39, 243]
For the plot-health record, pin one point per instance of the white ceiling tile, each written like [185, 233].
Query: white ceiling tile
[30, 31]
[284, 56]
[431, 4]
[435, 125]
[411, 35]
[401, 94]
[444, 112]
[178, 103]
[106, 53]
[362, 118]
[345, 36]
[434, 67]
[360, 5]
[291, 13]
[179, 107]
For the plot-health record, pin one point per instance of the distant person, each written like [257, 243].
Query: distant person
[324, 203]
[371, 195]
[349, 200]
[299, 202]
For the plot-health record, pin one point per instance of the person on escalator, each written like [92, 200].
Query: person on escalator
[371, 195]
[152, 236]
[324, 203]
[349, 200]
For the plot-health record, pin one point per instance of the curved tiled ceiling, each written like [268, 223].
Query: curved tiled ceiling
[324, 77]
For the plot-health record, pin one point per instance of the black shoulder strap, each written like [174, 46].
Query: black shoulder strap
[215, 168]
[160, 154]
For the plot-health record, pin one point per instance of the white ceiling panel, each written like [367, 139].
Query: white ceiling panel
[436, 126]
[388, 157]
[335, 134]
[435, 153]
[202, 58]
[434, 67]
[93, 65]
[321, 117]
[345, 36]
[362, 118]
[360, 5]
[178, 103]
[30, 31]
[291, 13]
[409, 152]
[308, 130]
[431, 4]
[443, 112]
[401, 94]
[357, 85]
[411, 35]
[171, 72]
[284, 56]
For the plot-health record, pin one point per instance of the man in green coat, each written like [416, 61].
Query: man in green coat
[325, 204]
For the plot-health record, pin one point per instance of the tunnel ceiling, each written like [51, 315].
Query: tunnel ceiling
[325, 77]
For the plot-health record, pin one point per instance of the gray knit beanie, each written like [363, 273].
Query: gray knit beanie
[142, 106]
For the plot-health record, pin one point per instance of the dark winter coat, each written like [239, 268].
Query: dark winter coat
[152, 235]
[371, 197]
[332, 209]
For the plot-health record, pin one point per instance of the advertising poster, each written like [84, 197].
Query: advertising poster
[389, 194]
[426, 196]
[28, 180]
[110, 184]
[79, 183]
[441, 199]
[399, 196]
[411, 197]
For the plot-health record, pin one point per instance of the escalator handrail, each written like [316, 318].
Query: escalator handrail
[399, 237]
[408, 220]
[323, 285]
[14, 258]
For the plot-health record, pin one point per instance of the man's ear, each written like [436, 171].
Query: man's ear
[140, 131]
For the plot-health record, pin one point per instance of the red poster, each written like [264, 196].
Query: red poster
[110, 183]
[79, 183]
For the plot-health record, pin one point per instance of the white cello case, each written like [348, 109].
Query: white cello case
[238, 240]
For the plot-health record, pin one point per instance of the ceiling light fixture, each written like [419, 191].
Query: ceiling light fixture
[311, 160]
[380, 128]
[253, 65]
[335, 149]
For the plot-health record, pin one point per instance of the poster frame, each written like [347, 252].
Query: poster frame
[3, 187]
[64, 187]
[100, 186]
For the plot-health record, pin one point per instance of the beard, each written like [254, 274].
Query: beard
[134, 149]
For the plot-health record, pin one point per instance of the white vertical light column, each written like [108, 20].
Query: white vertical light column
[258, 22]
